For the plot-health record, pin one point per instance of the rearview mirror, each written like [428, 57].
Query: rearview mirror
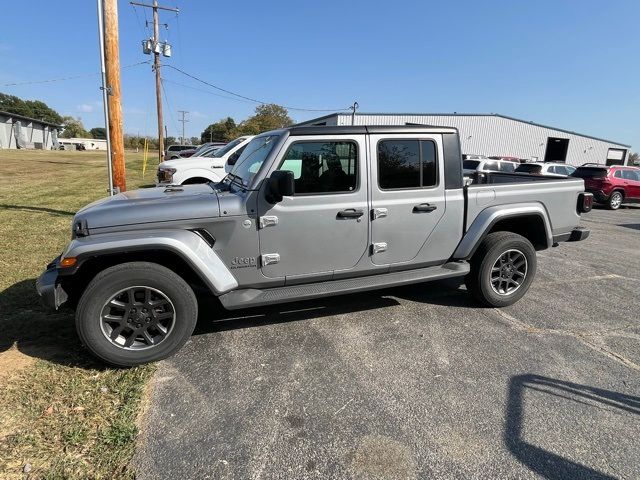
[280, 184]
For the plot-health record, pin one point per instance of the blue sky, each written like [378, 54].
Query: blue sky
[571, 64]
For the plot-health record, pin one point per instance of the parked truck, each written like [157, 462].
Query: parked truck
[306, 212]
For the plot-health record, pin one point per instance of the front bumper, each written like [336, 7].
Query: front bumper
[49, 288]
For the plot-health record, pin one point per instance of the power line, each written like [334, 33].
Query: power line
[206, 91]
[61, 79]
[166, 99]
[253, 99]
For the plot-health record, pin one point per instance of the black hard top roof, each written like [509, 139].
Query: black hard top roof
[364, 129]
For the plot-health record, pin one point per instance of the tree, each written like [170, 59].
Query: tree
[29, 108]
[99, 132]
[169, 141]
[223, 130]
[634, 159]
[194, 140]
[73, 128]
[267, 117]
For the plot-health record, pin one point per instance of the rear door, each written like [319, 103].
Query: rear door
[631, 183]
[325, 225]
[407, 196]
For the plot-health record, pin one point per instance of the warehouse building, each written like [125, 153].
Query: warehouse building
[17, 131]
[499, 135]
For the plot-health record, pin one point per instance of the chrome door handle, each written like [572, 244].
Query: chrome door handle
[424, 207]
[350, 213]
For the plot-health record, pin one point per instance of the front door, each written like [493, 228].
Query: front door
[324, 226]
[407, 196]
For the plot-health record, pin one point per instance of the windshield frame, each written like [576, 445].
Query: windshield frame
[251, 183]
[222, 151]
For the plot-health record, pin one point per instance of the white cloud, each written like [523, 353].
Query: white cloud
[133, 111]
[85, 108]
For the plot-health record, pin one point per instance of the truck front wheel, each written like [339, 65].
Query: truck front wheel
[135, 313]
[502, 269]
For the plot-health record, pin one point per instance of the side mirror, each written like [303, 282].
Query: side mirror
[280, 184]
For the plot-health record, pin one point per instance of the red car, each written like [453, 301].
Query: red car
[611, 185]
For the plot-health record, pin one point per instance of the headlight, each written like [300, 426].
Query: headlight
[166, 174]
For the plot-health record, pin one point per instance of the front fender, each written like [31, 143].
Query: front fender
[188, 245]
[488, 217]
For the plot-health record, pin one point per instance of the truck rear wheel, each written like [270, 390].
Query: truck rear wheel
[135, 313]
[502, 269]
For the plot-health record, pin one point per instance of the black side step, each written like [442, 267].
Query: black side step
[251, 297]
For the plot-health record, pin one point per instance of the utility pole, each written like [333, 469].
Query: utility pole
[156, 47]
[183, 120]
[105, 93]
[353, 107]
[109, 17]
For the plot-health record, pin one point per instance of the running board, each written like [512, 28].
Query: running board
[252, 297]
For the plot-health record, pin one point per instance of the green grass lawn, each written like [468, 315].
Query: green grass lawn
[62, 414]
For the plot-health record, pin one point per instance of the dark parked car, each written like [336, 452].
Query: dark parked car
[173, 151]
[611, 185]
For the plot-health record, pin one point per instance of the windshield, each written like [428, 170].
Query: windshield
[507, 167]
[228, 147]
[252, 157]
[470, 164]
[590, 172]
[529, 168]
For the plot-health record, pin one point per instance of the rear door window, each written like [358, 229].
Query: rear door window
[407, 164]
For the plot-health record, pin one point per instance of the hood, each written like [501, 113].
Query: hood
[150, 205]
[192, 162]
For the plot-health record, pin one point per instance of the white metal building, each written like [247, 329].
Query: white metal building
[494, 134]
[88, 143]
[17, 131]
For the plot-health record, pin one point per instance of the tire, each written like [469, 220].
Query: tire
[138, 300]
[492, 252]
[615, 200]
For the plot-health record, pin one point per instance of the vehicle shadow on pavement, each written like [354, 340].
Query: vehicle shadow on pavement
[634, 226]
[214, 318]
[28, 208]
[37, 332]
[543, 462]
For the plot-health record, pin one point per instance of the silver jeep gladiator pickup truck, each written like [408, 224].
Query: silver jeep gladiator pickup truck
[306, 212]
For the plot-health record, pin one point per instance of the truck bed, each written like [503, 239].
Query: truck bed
[558, 196]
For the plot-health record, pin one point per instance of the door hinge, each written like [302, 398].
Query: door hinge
[379, 247]
[268, 221]
[379, 213]
[269, 258]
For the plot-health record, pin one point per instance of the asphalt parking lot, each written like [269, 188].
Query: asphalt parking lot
[417, 382]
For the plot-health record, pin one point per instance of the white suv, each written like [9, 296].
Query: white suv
[546, 169]
[210, 167]
[472, 166]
